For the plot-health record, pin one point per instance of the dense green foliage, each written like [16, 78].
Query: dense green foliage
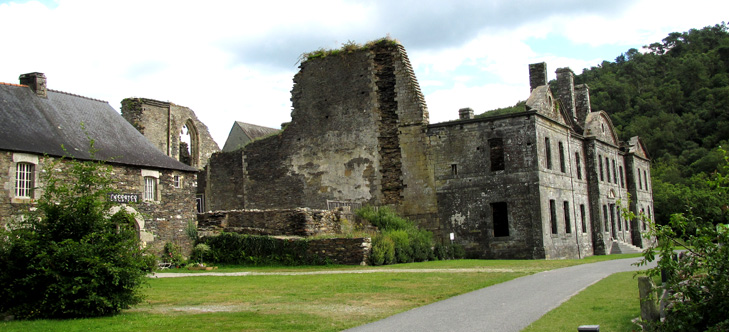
[697, 283]
[234, 248]
[518, 107]
[675, 96]
[68, 257]
[400, 241]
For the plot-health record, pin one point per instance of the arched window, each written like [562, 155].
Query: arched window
[189, 144]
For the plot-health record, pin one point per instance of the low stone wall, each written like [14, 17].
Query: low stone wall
[354, 251]
[292, 222]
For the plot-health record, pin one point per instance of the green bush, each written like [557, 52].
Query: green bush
[410, 242]
[233, 248]
[173, 254]
[384, 218]
[403, 249]
[68, 257]
[383, 250]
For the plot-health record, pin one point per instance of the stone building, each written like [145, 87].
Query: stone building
[546, 182]
[43, 125]
[243, 133]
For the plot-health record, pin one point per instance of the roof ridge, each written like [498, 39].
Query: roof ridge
[13, 84]
[255, 125]
[80, 96]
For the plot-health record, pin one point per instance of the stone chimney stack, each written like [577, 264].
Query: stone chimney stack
[537, 75]
[36, 82]
[465, 113]
[566, 89]
[582, 103]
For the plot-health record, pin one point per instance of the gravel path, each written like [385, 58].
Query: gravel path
[242, 274]
[508, 306]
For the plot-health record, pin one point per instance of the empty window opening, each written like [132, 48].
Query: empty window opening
[454, 169]
[622, 179]
[607, 168]
[582, 218]
[640, 182]
[496, 146]
[548, 149]
[620, 228]
[553, 215]
[150, 188]
[605, 218]
[615, 173]
[567, 221]
[24, 178]
[612, 220]
[500, 218]
[561, 157]
[599, 159]
[645, 180]
[189, 145]
[578, 166]
[642, 216]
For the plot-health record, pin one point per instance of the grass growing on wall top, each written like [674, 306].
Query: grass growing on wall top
[348, 47]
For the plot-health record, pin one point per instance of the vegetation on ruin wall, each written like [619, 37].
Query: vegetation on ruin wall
[348, 47]
[243, 249]
[520, 106]
[400, 241]
[675, 96]
[68, 257]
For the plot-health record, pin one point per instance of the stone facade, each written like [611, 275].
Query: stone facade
[158, 221]
[547, 182]
[162, 123]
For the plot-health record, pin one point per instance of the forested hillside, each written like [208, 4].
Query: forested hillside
[675, 96]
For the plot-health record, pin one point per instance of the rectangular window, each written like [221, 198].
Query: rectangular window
[548, 149]
[645, 180]
[567, 219]
[579, 166]
[454, 169]
[620, 228]
[176, 181]
[615, 173]
[553, 215]
[599, 159]
[582, 218]
[24, 176]
[561, 157]
[500, 218]
[622, 179]
[150, 188]
[612, 219]
[640, 182]
[607, 168]
[605, 217]
[496, 148]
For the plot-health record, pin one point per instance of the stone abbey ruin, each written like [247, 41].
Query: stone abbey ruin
[547, 182]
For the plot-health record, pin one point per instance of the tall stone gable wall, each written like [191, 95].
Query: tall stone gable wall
[161, 123]
[357, 134]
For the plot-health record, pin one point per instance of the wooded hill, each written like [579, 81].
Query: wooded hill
[675, 96]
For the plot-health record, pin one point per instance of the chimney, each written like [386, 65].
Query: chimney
[465, 113]
[537, 75]
[566, 89]
[36, 82]
[582, 103]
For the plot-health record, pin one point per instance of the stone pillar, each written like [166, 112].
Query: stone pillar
[37, 82]
[537, 75]
[648, 302]
[465, 113]
[566, 89]
[582, 103]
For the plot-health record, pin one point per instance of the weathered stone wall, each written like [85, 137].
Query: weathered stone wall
[161, 123]
[354, 251]
[297, 222]
[466, 185]
[641, 195]
[159, 222]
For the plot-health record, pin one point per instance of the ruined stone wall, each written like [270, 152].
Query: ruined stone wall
[355, 251]
[162, 122]
[298, 222]
[357, 134]
[159, 222]
[641, 194]
[224, 179]
[467, 187]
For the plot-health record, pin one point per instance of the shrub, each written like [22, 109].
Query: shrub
[383, 250]
[403, 249]
[233, 248]
[410, 242]
[173, 254]
[68, 257]
[384, 218]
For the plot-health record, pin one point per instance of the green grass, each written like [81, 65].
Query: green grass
[322, 302]
[611, 303]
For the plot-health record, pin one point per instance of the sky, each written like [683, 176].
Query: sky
[235, 60]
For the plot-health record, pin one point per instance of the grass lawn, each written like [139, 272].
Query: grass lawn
[321, 302]
[611, 303]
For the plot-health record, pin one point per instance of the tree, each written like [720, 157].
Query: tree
[696, 286]
[68, 257]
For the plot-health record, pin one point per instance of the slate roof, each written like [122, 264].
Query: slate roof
[254, 131]
[29, 123]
